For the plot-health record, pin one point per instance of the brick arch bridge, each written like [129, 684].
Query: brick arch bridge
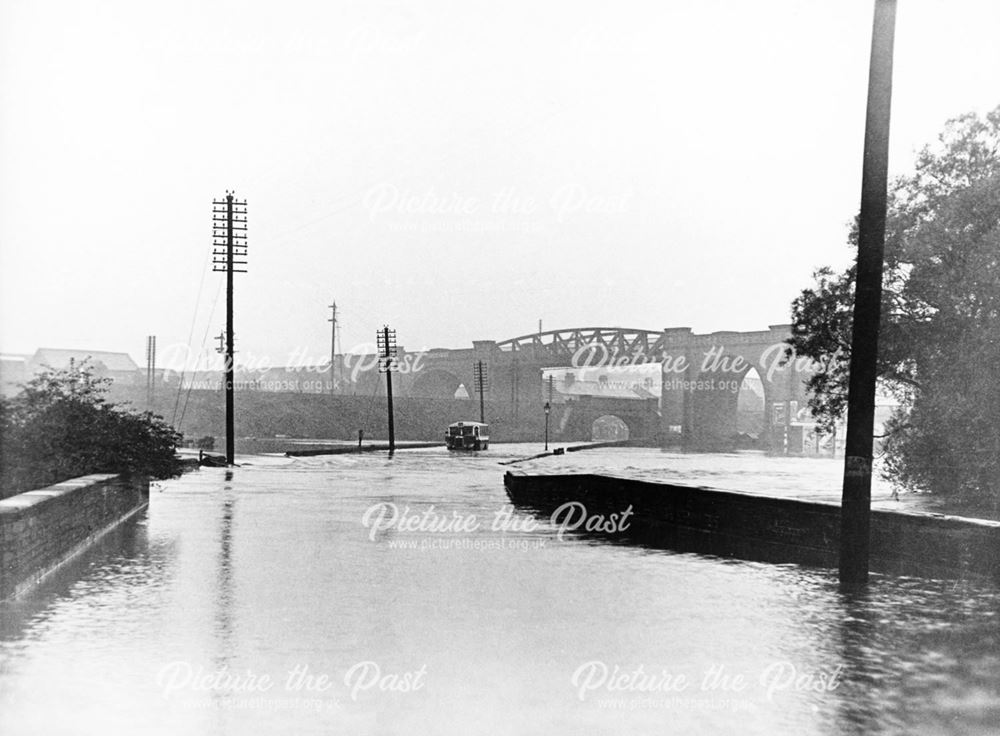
[700, 375]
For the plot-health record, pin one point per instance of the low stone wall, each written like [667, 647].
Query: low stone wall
[767, 528]
[42, 529]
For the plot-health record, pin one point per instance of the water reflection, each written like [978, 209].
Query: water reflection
[225, 595]
[225, 646]
[859, 708]
[124, 553]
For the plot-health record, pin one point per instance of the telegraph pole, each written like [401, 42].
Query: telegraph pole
[481, 383]
[386, 341]
[856, 502]
[333, 345]
[150, 370]
[229, 225]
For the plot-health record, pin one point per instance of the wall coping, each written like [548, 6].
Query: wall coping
[932, 517]
[17, 505]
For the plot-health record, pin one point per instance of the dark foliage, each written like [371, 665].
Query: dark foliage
[939, 348]
[61, 426]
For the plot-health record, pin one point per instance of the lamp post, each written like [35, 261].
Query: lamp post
[548, 408]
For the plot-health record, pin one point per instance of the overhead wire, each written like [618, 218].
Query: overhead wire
[204, 339]
[194, 318]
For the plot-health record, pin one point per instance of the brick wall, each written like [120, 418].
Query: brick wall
[42, 529]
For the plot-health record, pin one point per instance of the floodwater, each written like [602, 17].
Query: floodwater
[362, 594]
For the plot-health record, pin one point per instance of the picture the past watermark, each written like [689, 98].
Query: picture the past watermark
[503, 529]
[300, 687]
[714, 686]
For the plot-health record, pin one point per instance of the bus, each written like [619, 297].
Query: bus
[467, 436]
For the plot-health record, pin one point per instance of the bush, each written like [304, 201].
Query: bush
[60, 426]
[205, 443]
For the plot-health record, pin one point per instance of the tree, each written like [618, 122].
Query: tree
[939, 345]
[61, 426]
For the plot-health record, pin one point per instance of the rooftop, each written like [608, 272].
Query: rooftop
[60, 358]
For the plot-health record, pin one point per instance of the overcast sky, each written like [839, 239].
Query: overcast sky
[458, 170]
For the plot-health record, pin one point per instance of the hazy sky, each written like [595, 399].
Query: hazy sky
[459, 170]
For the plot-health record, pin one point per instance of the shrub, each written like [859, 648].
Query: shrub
[61, 426]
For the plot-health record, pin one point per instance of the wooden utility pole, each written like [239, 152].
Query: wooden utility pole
[386, 340]
[481, 380]
[856, 503]
[333, 346]
[229, 225]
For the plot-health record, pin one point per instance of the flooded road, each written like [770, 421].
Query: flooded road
[361, 594]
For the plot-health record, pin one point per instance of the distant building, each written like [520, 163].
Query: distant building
[13, 373]
[632, 382]
[117, 366]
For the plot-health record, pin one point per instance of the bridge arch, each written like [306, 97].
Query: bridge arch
[730, 409]
[608, 428]
[575, 420]
[751, 407]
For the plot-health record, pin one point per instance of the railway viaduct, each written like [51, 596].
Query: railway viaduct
[584, 374]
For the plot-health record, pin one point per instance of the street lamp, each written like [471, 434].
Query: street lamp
[548, 408]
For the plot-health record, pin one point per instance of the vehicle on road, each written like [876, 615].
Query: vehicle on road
[467, 436]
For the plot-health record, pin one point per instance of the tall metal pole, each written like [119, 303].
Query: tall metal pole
[856, 503]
